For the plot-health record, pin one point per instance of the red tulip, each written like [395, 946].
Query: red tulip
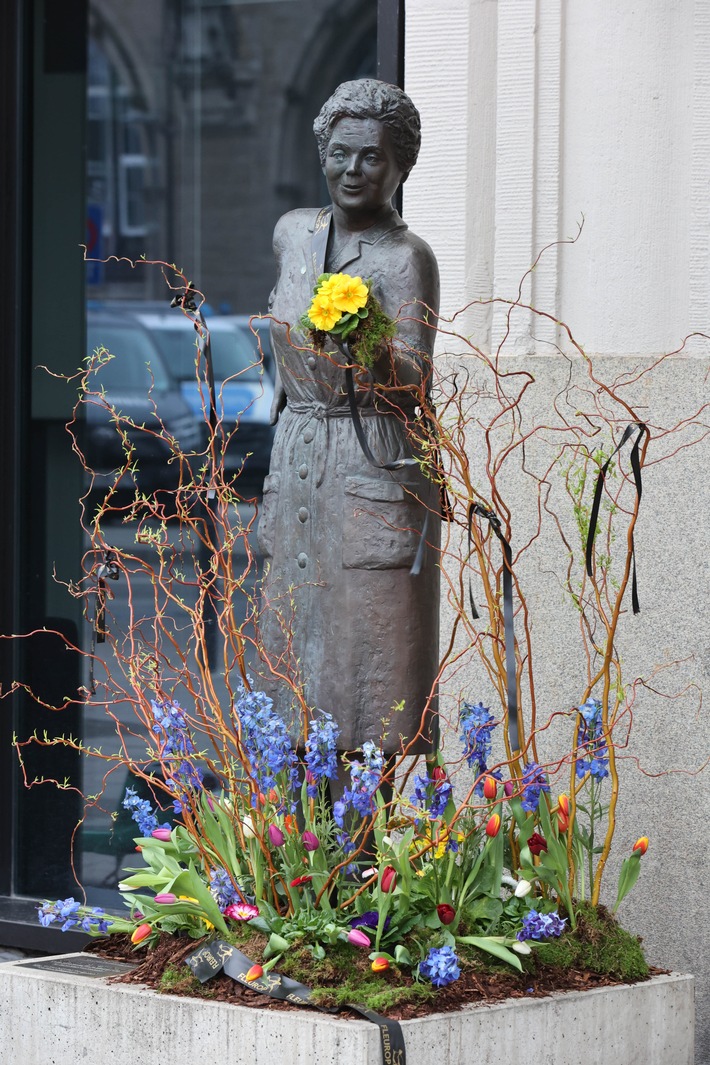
[380, 965]
[300, 880]
[141, 933]
[537, 844]
[563, 803]
[562, 821]
[388, 879]
[310, 841]
[438, 775]
[161, 833]
[358, 938]
[493, 825]
[446, 913]
[254, 973]
[641, 845]
[276, 836]
[490, 788]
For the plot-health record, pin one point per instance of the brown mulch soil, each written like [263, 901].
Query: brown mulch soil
[470, 988]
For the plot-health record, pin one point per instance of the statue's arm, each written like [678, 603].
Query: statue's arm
[411, 295]
[279, 401]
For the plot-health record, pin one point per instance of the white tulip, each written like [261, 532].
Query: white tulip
[524, 888]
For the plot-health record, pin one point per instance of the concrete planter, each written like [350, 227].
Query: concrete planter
[60, 1011]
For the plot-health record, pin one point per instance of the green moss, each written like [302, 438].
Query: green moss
[180, 981]
[598, 944]
[373, 993]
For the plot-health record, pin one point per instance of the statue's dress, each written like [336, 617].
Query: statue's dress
[342, 616]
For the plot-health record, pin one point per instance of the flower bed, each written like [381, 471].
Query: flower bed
[62, 1017]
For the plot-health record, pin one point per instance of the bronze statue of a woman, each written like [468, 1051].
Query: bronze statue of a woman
[343, 619]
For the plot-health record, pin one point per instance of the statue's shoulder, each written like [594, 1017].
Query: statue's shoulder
[413, 246]
[294, 227]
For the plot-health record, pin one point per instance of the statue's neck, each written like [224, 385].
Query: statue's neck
[346, 223]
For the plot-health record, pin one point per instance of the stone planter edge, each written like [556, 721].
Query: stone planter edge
[56, 1018]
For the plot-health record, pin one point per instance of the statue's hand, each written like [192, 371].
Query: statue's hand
[278, 403]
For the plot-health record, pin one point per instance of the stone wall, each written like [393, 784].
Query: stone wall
[551, 113]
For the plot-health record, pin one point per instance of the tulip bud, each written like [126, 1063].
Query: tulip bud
[310, 841]
[380, 965]
[161, 833]
[446, 913]
[490, 788]
[388, 879]
[300, 881]
[358, 938]
[509, 788]
[276, 836]
[521, 948]
[140, 933]
[273, 796]
[438, 775]
[493, 826]
[254, 973]
[641, 845]
[537, 844]
[563, 803]
[562, 822]
[523, 888]
[165, 899]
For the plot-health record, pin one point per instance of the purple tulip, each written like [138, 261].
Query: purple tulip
[359, 939]
[165, 899]
[310, 842]
[276, 836]
[161, 833]
[508, 788]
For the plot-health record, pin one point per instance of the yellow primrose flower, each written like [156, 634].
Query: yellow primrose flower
[323, 313]
[348, 294]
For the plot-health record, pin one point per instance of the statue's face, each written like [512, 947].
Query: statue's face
[360, 166]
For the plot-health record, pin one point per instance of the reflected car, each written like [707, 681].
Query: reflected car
[243, 391]
[136, 382]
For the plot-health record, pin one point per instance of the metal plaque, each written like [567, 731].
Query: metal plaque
[81, 965]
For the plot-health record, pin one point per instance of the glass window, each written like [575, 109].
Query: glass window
[192, 124]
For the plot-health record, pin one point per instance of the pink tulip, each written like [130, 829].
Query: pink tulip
[161, 833]
[359, 939]
[276, 836]
[165, 899]
[310, 841]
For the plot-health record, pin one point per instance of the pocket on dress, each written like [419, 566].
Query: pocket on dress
[266, 529]
[381, 524]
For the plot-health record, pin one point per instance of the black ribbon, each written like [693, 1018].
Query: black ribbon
[220, 956]
[187, 300]
[108, 569]
[594, 516]
[509, 628]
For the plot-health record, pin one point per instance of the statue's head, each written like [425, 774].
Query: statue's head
[368, 98]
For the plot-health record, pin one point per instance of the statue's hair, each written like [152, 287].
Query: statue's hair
[368, 98]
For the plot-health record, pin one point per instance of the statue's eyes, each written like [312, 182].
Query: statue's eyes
[337, 156]
[373, 158]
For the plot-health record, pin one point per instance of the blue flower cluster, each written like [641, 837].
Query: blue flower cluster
[592, 752]
[321, 755]
[534, 781]
[477, 723]
[541, 925]
[265, 739]
[365, 779]
[176, 746]
[441, 966]
[223, 890]
[72, 913]
[432, 795]
[142, 812]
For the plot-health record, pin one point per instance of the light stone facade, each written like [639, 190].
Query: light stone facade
[536, 114]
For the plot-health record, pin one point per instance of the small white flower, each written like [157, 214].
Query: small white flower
[367, 873]
[248, 826]
[521, 948]
[524, 888]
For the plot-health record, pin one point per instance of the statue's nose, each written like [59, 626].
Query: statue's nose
[354, 164]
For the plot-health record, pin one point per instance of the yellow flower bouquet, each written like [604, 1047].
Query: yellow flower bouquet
[344, 308]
